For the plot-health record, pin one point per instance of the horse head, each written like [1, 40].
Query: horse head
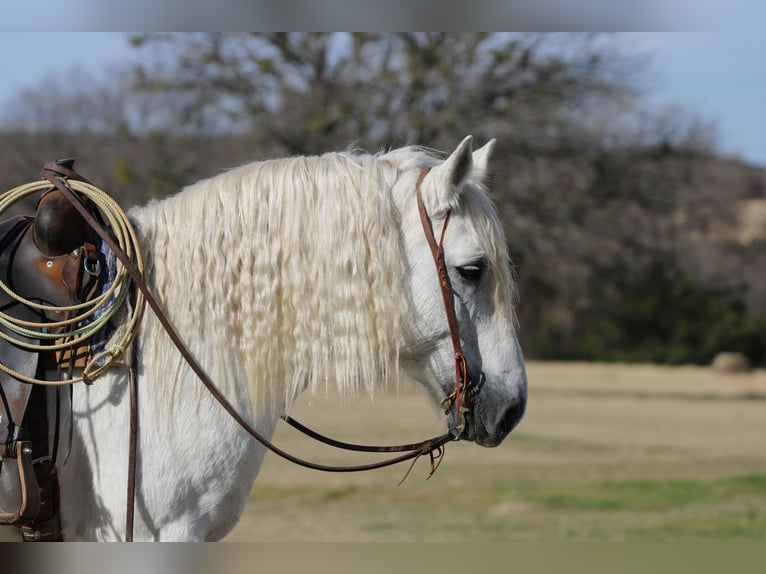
[482, 294]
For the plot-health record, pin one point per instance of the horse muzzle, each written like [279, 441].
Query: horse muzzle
[487, 426]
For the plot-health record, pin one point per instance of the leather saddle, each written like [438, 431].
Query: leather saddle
[49, 259]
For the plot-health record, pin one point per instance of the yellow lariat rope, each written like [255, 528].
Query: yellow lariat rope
[90, 317]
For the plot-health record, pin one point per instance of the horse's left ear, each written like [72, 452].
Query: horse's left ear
[481, 159]
[446, 179]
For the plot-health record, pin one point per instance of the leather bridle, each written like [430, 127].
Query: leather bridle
[459, 395]
[57, 174]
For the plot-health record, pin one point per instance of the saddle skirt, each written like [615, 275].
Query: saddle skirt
[46, 259]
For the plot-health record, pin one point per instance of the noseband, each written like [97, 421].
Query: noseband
[459, 395]
[433, 447]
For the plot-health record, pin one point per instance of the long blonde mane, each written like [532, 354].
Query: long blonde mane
[288, 274]
[282, 273]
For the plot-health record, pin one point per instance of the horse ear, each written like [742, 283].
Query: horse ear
[481, 159]
[446, 179]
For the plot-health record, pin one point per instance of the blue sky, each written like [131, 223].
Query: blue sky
[721, 76]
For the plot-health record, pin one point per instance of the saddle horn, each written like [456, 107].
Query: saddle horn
[58, 228]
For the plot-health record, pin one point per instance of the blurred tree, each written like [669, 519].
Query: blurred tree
[597, 192]
[310, 92]
[125, 139]
[594, 189]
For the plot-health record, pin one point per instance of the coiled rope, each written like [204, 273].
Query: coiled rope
[87, 318]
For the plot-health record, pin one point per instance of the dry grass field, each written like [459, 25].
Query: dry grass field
[606, 452]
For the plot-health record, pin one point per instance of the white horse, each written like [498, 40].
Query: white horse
[283, 276]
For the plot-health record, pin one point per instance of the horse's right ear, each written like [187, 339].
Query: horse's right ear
[445, 181]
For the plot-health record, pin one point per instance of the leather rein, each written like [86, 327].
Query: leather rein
[433, 447]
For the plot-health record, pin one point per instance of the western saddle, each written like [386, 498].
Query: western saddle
[51, 258]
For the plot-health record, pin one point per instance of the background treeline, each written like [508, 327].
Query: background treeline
[632, 238]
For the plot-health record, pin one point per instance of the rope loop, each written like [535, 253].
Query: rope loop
[86, 319]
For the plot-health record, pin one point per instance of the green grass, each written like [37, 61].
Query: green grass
[726, 508]
[638, 510]
[643, 495]
[620, 495]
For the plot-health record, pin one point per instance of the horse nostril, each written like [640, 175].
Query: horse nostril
[513, 415]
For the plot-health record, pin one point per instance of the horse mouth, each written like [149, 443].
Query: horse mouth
[475, 431]
[479, 434]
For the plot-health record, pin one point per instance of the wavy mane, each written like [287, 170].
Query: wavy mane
[282, 272]
[288, 274]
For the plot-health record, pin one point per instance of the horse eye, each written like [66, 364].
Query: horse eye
[472, 271]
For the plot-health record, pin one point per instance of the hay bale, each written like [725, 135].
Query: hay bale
[729, 362]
